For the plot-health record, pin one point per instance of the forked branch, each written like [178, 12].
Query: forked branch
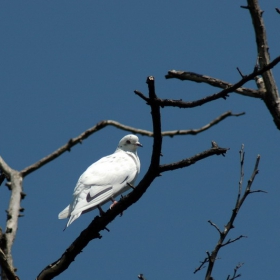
[211, 257]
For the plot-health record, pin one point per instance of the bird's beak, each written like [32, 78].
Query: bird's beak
[139, 144]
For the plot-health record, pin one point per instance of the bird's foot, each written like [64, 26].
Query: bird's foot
[113, 204]
[130, 186]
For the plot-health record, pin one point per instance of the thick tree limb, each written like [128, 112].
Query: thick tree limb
[272, 95]
[98, 223]
[8, 270]
[15, 185]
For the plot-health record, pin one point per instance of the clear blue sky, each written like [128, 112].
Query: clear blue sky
[66, 65]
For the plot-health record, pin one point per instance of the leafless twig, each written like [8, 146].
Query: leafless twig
[211, 258]
[235, 275]
[141, 277]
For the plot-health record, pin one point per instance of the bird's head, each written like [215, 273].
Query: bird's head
[129, 143]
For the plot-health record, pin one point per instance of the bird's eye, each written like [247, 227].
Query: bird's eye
[128, 142]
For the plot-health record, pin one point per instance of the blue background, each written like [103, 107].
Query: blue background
[66, 65]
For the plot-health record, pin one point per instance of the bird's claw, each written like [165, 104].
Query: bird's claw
[113, 204]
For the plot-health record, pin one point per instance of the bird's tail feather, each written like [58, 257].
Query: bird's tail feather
[73, 218]
[64, 213]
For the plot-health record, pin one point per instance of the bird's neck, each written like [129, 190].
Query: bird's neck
[126, 151]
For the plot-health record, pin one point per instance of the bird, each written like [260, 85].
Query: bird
[105, 179]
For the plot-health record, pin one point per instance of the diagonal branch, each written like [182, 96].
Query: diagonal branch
[74, 141]
[190, 76]
[211, 258]
[187, 162]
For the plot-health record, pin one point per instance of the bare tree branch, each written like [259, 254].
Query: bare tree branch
[74, 141]
[192, 160]
[271, 97]
[206, 260]
[233, 240]
[190, 76]
[211, 258]
[8, 270]
[201, 129]
[235, 275]
[215, 226]
[222, 94]
[7, 239]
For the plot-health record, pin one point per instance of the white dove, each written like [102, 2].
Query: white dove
[105, 179]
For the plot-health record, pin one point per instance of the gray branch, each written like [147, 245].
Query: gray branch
[271, 95]
[7, 239]
[194, 77]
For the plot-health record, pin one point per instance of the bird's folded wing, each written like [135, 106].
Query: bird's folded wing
[108, 171]
[95, 196]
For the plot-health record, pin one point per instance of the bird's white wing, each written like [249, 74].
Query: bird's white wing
[110, 170]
